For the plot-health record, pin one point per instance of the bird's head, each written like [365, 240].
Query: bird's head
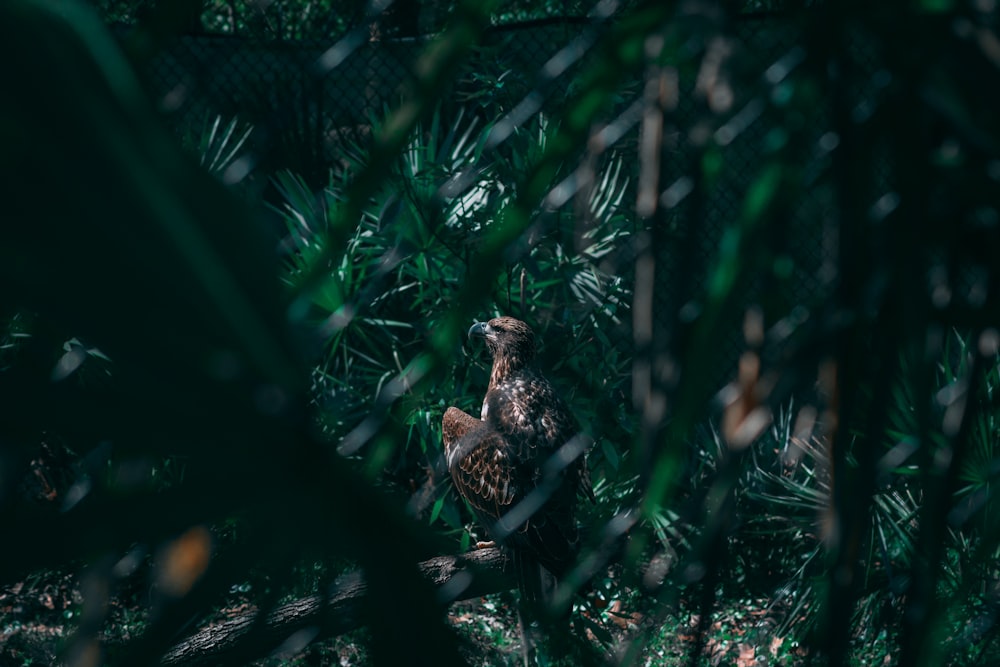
[510, 341]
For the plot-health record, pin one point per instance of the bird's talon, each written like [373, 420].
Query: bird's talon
[486, 545]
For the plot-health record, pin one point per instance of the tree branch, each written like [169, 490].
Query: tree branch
[291, 626]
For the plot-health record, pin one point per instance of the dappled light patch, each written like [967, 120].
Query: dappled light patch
[182, 561]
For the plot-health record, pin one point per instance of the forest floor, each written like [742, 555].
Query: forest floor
[38, 615]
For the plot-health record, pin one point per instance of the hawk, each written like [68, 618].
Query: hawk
[521, 464]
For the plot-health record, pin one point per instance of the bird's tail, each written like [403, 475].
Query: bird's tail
[528, 571]
[536, 585]
[542, 627]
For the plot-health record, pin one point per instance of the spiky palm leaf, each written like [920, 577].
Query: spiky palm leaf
[221, 146]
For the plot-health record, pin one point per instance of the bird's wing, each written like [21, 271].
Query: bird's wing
[479, 463]
[456, 424]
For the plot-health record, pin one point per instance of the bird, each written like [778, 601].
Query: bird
[522, 463]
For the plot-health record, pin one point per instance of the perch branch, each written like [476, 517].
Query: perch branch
[293, 625]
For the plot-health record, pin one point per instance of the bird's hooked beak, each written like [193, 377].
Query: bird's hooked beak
[479, 329]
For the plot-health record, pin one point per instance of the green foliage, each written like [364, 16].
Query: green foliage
[145, 325]
[281, 20]
[784, 508]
